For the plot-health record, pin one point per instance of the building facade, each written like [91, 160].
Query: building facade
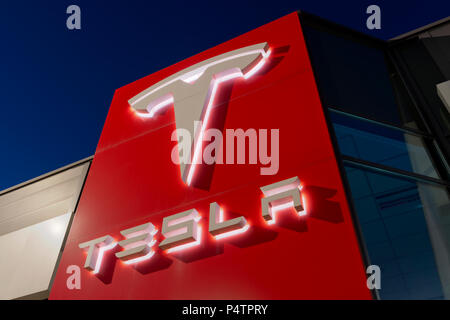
[293, 162]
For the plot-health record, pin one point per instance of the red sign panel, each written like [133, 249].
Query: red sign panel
[307, 252]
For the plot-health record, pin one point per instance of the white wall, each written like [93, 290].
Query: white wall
[33, 221]
[29, 255]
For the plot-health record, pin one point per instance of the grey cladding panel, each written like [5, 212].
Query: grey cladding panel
[41, 200]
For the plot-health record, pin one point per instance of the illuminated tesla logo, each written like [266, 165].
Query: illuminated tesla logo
[183, 230]
[192, 92]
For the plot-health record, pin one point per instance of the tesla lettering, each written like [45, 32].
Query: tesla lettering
[182, 230]
[137, 244]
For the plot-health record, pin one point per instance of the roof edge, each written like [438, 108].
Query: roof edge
[417, 31]
[46, 175]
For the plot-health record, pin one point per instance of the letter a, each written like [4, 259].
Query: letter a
[74, 20]
[374, 20]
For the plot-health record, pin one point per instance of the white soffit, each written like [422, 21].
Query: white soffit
[40, 200]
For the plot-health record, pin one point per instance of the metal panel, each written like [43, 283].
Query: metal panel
[29, 256]
[443, 90]
[41, 200]
[34, 218]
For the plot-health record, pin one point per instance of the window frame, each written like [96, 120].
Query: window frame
[438, 156]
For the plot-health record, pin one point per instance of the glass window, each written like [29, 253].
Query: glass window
[396, 216]
[426, 75]
[379, 144]
[356, 78]
[390, 161]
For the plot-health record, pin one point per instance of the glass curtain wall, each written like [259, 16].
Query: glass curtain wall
[398, 180]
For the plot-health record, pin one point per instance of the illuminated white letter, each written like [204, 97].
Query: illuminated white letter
[181, 231]
[138, 243]
[96, 249]
[192, 92]
[281, 195]
[222, 229]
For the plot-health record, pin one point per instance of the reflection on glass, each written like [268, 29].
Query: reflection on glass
[383, 145]
[406, 229]
[357, 78]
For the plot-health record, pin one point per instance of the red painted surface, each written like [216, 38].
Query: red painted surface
[133, 181]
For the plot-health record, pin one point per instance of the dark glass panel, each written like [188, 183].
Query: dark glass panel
[395, 216]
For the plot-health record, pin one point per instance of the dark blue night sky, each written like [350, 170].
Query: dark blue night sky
[56, 84]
